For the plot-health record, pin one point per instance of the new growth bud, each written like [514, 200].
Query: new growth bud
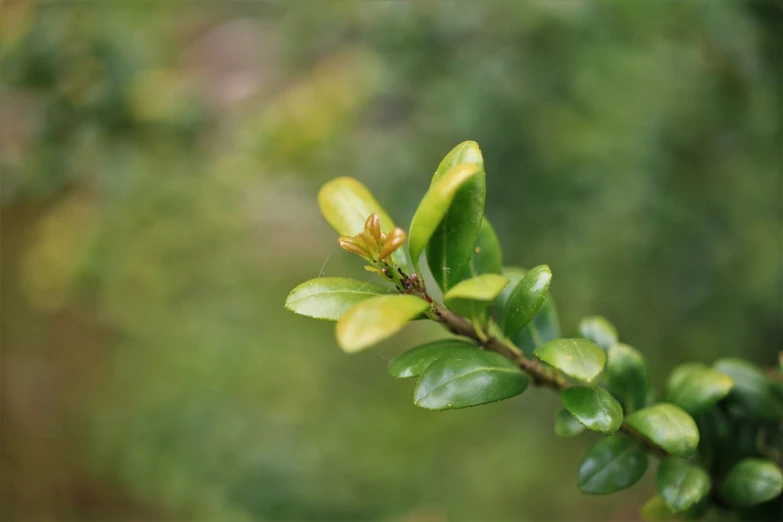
[371, 243]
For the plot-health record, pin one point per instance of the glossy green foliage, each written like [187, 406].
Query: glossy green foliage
[681, 485]
[697, 389]
[346, 204]
[328, 298]
[577, 358]
[594, 407]
[376, 319]
[752, 390]
[468, 378]
[668, 427]
[526, 298]
[613, 464]
[429, 215]
[627, 376]
[471, 297]
[566, 425]
[544, 327]
[599, 330]
[414, 361]
[751, 482]
[452, 246]
[487, 254]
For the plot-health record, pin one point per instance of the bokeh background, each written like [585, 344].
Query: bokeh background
[160, 162]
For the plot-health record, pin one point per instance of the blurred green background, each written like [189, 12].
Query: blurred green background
[160, 162]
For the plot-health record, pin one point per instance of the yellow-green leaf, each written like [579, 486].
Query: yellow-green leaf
[668, 427]
[471, 297]
[376, 319]
[577, 358]
[328, 298]
[700, 390]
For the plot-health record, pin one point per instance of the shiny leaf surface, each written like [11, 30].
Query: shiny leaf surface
[680, 484]
[599, 330]
[544, 327]
[752, 391]
[752, 481]
[346, 204]
[668, 427]
[700, 390]
[376, 319]
[594, 407]
[577, 358]
[526, 298]
[613, 464]
[566, 425]
[471, 297]
[487, 255]
[328, 298]
[431, 212]
[627, 376]
[413, 362]
[468, 379]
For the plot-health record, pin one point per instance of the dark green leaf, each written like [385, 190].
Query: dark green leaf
[451, 248]
[599, 330]
[751, 482]
[328, 298]
[614, 464]
[681, 485]
[577, 358]
[487, 255]
[594, 407]
[413, 362]
[627, 377]
[752, 390]
[375, 319]
[544, 327]
[468, 379]
[668, 427]
[429, 217]
[566, 424]
[346, 204]
[514, 276]
[471, 297]
[700, 390]
[526, 299]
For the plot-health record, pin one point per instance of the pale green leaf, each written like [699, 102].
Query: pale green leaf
[376, 319]
[328, 298]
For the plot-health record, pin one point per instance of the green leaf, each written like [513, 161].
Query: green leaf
[413, 362]
[700, 390]
[594, 407]
[514, 276]
[526, 298]
[466, 152]
[429, 216]
[328, 298]
[668, 427]
[544, 327]
[655, 510]
[614, 464]
[627, 377]
[752, 390]
[466, 379]
[752, 481]
[471, 297]
[376, 319]
[577, 358]
[599, 330]
[487, 255]
[566, 425]
[681, 372]
[346, 204]
[681, 485]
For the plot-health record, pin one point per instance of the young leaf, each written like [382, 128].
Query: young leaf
[752, 391]
[413, 362]
[614, 464]
[681, 485]
[627, 377]
[431, 212]
[328, 298]
[487, 256]
[566, 425]
[346, 204]
[466, 379]
[594, 407]
[471, 297]
[752, 481]
[577, 358]
[599, 330]
[544, 327]
[526, 299]
[668, 427]
[375, 319]
[451, 248]
[700, 391]
[656, 510]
